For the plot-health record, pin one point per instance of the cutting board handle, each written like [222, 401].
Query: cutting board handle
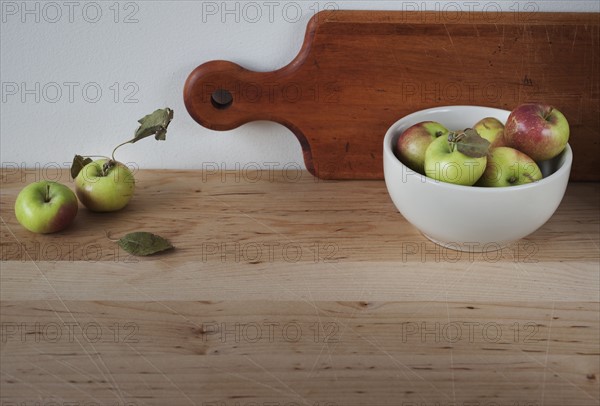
[217, 95]
[222, 95]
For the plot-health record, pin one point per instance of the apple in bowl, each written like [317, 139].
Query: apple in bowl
[492, 130]
[509, 167]
[445, 162]
[539, 130]
[414, 141]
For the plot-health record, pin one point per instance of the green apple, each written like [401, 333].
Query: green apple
[444, 162]
[509, 167]
[105, 185]
[492, 130]
[46, 207]
[413, 143]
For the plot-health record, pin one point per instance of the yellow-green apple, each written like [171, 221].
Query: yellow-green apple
[105, 185]
[537, 130]
[413, 143]
[445, 162]
[46, 207]
[509, 167]
[492, 130]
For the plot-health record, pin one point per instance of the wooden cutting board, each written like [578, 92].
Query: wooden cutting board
[360, 71]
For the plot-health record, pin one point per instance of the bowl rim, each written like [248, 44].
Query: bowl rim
[388, 151]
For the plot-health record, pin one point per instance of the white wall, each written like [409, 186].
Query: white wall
[146, 49]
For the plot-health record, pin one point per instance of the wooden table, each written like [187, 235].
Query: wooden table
[289, 290]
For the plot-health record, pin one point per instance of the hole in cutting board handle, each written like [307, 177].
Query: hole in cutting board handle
[221, 99]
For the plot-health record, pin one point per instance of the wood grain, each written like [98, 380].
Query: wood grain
[347, 304]
[360, 71]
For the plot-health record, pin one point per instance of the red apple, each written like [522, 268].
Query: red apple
[537, 130]
[413, 143]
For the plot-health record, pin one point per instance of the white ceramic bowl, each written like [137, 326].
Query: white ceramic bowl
[470, 218]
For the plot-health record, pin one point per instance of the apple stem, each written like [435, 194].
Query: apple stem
[47, 198]
[107, 165]
[119, 146]
[452, 140]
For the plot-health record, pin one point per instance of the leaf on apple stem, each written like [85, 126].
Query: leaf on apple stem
[78, 163]
[143, 243]
[155, 124]
[472, 144]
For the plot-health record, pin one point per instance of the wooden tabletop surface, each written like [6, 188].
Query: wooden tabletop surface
[285, 289]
